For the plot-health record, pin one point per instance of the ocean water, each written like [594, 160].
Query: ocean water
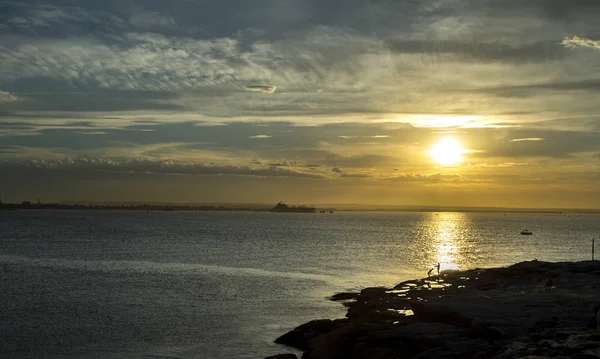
[225, 285]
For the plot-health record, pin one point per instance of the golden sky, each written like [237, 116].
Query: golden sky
[434, 102]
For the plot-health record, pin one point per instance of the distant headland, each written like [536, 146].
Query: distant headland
[279, 208]
[264, 207]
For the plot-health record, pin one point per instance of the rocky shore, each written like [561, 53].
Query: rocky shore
[530, 309]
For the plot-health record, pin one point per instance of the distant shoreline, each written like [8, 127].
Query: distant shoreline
[267, 208]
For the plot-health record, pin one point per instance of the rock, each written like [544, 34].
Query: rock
[283, 356]
[584, 266]
[502, 313]
[344, 296]
[486, 286]
[299, 337]
[433, 312]
[336, 344]
[374, 293]
[464, 349]
[552, 273]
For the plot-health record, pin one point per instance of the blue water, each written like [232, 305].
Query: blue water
[225, 285]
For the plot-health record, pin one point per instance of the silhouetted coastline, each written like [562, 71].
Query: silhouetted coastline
[532, 308]
[125, 207]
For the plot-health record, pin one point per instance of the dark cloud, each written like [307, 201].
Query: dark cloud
[529, 90]
[483, 52]
[93, 101]
[156, 167]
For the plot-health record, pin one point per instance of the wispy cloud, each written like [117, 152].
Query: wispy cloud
[527, 139]
[262, 88]
[576, 41]
[260, 136]
[149, 20]
[355, 175]
[435, 177]
[8, 97]
[285, 163]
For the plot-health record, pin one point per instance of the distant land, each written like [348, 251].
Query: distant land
[261, 207]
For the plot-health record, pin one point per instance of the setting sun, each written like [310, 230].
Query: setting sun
[447, 152]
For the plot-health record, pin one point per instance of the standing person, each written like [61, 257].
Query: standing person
[438, 268]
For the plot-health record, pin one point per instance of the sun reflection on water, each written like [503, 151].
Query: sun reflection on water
[447, 233]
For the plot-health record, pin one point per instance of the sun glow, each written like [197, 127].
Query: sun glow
[447, 152]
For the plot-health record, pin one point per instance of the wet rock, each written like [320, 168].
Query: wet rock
[283, 356]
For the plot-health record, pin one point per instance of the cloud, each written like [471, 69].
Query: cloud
[285, 163]
[167, 167]
[262, 88]
[576, 41]
[7, 97]
[260, 136]
[355, 175]
[336, 170]
[428, 178]
[91, 132]
[472, 51]
[527, 139]
[149, 19]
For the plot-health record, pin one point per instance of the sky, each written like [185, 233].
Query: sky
[307, 101]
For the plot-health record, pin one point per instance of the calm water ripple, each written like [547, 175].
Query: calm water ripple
[224, 285]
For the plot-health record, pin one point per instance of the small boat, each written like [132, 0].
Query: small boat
[526, 232]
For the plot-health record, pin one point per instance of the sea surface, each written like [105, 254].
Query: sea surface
[118, 284]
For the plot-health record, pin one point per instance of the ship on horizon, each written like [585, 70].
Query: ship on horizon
[284, 208]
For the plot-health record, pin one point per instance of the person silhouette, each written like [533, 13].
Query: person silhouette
[429, 272]
[438, 268]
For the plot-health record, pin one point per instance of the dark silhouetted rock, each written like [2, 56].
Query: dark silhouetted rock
[501, 313]
[283, 356]
[486, 286]
[299, 337]
[369, 294]
[435, 312]
[345, 296]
